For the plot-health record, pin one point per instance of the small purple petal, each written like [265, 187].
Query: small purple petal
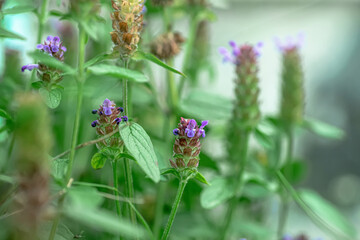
[94, 111]
[107, 103]
[40, 46]
[236, 49]
[176, 131]
[107, 111]
[56, 39]
[226, 55]
[204, 123]
[63, 48]
[94, 123]
[190, 133]
[47, 49]
[192, 124]
[125, 118]
[49, 38]
[29, 67]
[54, 48]
[121, 109]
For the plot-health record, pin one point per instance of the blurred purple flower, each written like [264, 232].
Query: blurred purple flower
[236, 52]
[290, 43]
[29, 67]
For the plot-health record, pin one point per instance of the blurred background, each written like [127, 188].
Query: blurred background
[331, 61]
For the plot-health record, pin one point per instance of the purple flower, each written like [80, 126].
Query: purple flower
[226, 55]
[290, 43]
[108, 107]
[125, 118]
[94, 111]
[121, 109]
[201, 129]
[29, 67]
[190, 129]
[94, 123]
[56, 40]
[47, 49]
[55, 48]
[40, 46]
[258, 47]
[233, 57]
[117, 120]
[176, 131]
[63, 48]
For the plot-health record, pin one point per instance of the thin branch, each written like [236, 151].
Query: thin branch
[87, 144]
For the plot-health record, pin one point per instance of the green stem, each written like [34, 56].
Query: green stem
[127, 163]
[114, 166]
[244, 142]
[285, 198]
[80, 85]
[42, 17]
[160, 200]
[175, 206]
[172, 91]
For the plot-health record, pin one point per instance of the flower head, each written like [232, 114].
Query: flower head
[109, 117]
[187, 143]
[290, 43]
[238, 52]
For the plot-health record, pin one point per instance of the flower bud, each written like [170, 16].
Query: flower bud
[292, 90]
[167, 45]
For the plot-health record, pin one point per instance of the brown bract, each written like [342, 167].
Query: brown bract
[167, 45]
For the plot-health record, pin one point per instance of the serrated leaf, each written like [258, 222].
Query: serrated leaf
[329, 213]
[52, 98]
[139, 55]
[4, 114]
[138, 143]
[220, 190]
[323, 129]
[201, 178]
[98, 161]
[18, 9]
[115, 71]
[50, 61]
[59, 168]
[7, 34]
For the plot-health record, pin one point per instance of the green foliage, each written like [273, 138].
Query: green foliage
[220, 190]
[323, 129]
[52, 62]
[8, 34]
[52, 98]
[115, 71]
[58, 169]
[328, 212]
[98, 161]
[17, 10]
[139, 55]
[138, 143]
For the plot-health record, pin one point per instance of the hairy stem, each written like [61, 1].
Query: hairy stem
[182, 185]
[127, 164]
[239, 184]
[116, 193]
[285, 198]
[80, 84]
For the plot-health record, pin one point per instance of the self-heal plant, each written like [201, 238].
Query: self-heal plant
[186, 149]
[48, 75]
[246, 114]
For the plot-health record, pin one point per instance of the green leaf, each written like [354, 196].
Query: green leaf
[329, 213]
[7, 34]
[52, 62]
[4, 114]
[104, 221]
[206, 106]
[37, 84]
[138, 143]
[139, 55]
[87, 197]
[201, 178]
[8, 179]
[59, 168]
[220, 190]
[18, 9]
[115, 71]
[263, 139]
[295, 171]
[62, 232]
[90, 29]
[52, 98]
[170, 171]
[99, 58]
[98, 161]
[323, 129]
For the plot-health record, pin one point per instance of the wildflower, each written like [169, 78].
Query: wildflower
[109, 117]
[53, 47]
[292, 99]
[237, 51]
[127, 22]
[187, 143]
[167, 45]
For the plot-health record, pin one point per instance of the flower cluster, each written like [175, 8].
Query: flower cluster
[292, 99]
[290, 43]
[127, 23]
[238, 52]
[187, 144]
[108, 120]
[167, 45]
[52, 46]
